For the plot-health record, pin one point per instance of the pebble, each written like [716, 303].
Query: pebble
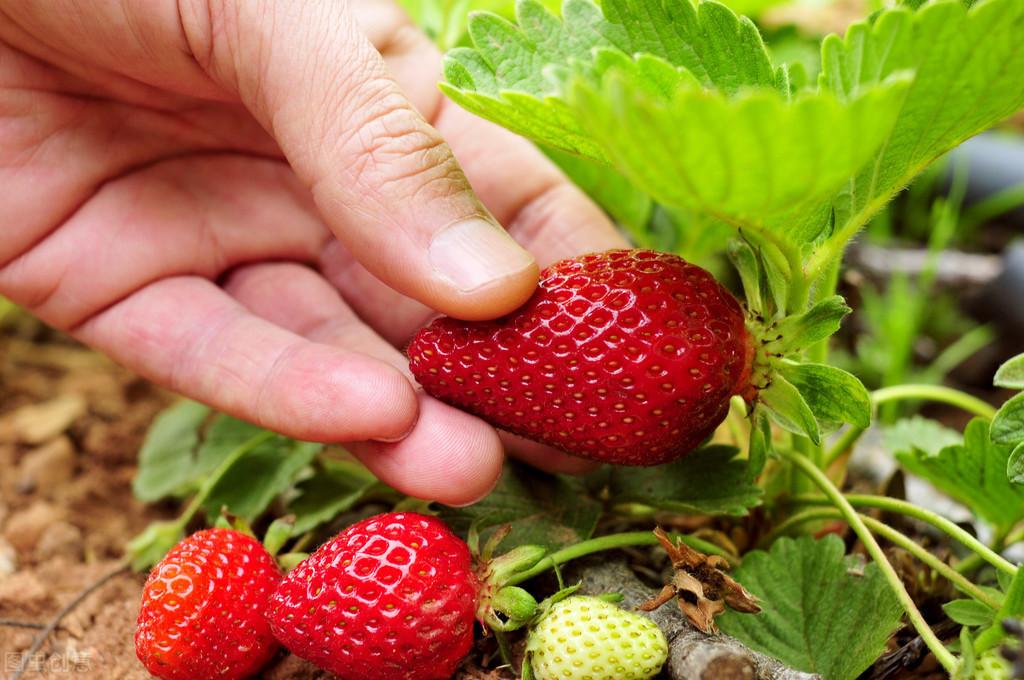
[8, 559]
[60, 539]
[47, 467]
[26, 527]
[39, 423]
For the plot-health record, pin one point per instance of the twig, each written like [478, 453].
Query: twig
[11, 623]
[45, 633]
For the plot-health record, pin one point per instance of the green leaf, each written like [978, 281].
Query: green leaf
[249, 486]
[969, 612]
[1011, 374]
[335, 487]
[973, 473]
[820, 613]
[799, 331]
[789, 409]
[1015, 465]
[966, 67]
[757, 159]
[224, 435]
[545, 510]
[624, 202]
[1008, 425]
[833, 395]
[167, 464]
[760, 445]
[155, 541]
[918, 433]
[709, 481]
[748, 266]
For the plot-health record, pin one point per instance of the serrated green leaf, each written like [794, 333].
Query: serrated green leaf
[624, 202]
[816, 608]
[709, 481]
[167, 462]
[788, 408]
[516, 75]
[755, 159]
[249, 486]
[918, 433]
[1008, 425]
[335, 487]
[224, 435]
[1015, 465]
[818, 323]
[969, 612]
[966, 67]
[973, 473]
[545, 510]
[833, 395]
[1011, 374]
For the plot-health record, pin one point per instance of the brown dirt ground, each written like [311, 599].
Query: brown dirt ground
[71, 423]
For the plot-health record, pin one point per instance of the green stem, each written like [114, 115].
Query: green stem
[896, 538]
[941, 523]
[943, 655]
[846, 440]
[997, 544]
[210, 482]
[610, 542]
[939, 393]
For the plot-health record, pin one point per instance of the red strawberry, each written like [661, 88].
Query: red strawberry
[390, 598]
[203, 609]
[627, 356]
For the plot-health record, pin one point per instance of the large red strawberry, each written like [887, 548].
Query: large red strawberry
[390, 598]
[203, 609]
[627, 356]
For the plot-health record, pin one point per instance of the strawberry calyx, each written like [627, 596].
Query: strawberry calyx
[502, 606]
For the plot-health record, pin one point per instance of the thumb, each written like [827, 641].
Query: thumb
[385, 181]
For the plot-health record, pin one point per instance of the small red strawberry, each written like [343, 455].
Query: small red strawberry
[390, 598]
[203, 609]
[627, 356]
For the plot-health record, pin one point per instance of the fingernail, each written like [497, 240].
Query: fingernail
[476, 252]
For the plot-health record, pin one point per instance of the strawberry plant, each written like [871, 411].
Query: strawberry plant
[710, 393]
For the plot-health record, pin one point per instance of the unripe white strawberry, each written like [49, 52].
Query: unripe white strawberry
[991, 666]
[586, 638]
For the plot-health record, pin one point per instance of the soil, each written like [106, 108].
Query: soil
[71, 424]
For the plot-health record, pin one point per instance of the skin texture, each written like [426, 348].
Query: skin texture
[626, 357]
[202, 613]
[390, 598]
[253, 204]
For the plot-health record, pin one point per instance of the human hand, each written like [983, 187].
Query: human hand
[247, 203]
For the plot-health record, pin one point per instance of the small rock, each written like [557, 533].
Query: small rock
[26, 527]
[47, 467]
[60, 539]
[23, 591]
[8, 559]
[39, 423]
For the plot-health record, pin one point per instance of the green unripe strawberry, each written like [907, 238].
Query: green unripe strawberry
[586, 638]
[991, 666]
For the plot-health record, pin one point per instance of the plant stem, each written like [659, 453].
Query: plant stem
[941, 523]
[939, 393]
[943, 655]
[846, 440]
[896, 538]
[610, 542]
